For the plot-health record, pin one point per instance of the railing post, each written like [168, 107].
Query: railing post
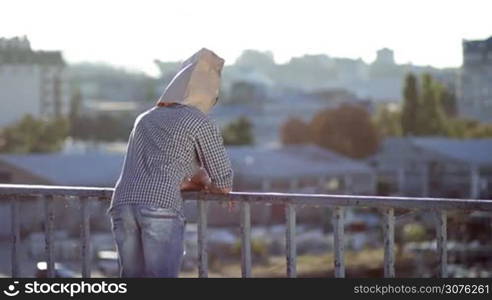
[338, 236]
[442, 252]
[389, 242]
[48, 231]
[245, 239]
[85, 237]
[202, 239]
[15, 232]
[290, 240]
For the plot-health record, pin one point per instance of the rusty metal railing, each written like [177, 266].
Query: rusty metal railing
[50, 194]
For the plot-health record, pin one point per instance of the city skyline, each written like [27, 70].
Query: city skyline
[423, 33]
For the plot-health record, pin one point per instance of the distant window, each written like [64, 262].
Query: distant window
[332, 184]
[5, 177]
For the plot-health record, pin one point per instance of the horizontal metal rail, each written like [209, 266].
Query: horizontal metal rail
[16, 194]
[280, 198]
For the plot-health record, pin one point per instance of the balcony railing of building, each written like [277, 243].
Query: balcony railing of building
[387, 205]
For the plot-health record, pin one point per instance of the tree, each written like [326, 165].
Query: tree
[389, 122]
[32, 135]
[430, 118]
[410, 106]
[238, 132]
[75, 107]
[347, 130]
[448, 101]
[464, 128]
[424, 109]
[57, 101]
[294, 131]
[102, 127]
[480, 131]
[150, 90]
[432, 112]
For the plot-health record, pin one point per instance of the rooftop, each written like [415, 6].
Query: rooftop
[478, 45]
[17, 50]
[292, 161]
[102, 167]
[91, 169]
[471, 151]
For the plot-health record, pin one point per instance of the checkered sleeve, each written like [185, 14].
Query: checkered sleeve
[213, 156]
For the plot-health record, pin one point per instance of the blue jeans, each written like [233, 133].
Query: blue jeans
[149, 240]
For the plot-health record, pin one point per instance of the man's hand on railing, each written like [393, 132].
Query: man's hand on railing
[201, 181]
[213, 189]
[198, 182]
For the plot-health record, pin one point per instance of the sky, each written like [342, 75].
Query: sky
[131, 34]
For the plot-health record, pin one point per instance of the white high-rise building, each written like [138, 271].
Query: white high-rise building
[475, 92]
[31, 82]
[385, 56]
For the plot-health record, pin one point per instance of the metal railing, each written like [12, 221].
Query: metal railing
[49, 194]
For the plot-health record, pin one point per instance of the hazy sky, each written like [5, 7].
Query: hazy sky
[133, 33]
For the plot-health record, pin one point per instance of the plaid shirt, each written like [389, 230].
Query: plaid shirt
[164, 147]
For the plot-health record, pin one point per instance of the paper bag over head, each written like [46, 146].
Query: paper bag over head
[197, 82]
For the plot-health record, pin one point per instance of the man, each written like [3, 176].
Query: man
[165, 148]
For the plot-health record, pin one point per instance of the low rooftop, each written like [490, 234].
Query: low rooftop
[470, 151]
[102, 167]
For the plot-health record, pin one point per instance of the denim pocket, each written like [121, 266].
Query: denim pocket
[117, 225]
[159, 212]
[118, 213]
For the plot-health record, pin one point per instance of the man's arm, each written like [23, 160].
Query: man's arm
[214, 159]
[188, 185]
[199, 181]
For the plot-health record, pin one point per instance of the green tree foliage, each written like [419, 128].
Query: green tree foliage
[239, 132]
[97, 128]
[462, 128]
[410, 106]
[448, 101]
[150, 91]
[294, 131]
[481, 130]
[388, 121]
[31, 135]
[431, 119]
[102, 127]
[423, 112]
[75, 106]
[348, 130]
[430, 111]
